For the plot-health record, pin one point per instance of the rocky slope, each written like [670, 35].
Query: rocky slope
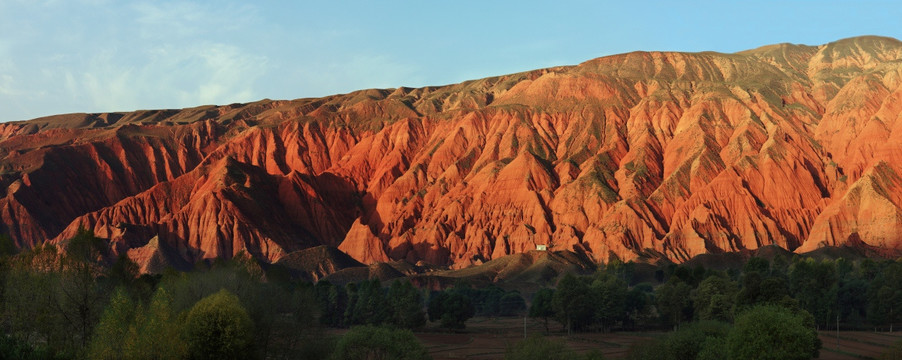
[646, 154]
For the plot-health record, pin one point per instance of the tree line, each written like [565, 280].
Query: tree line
[401, 304]
[69, 302]
[73, 301]
[864, 294]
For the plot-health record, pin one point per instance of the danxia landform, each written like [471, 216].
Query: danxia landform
[645, 155]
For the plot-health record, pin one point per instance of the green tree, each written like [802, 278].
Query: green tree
[218, 327]
[487, 300]
[638, 304]
[814, 286]
[452, 308]
[852, 298]
[370, 307]
[109, 340]
[713, 348]
[406, 305]
[511, 304]
[379, 343]
[773, 332]
[690, 340]
[885, 296]
[673, 302]
[333, 303]
[542, 305]
[29, 311]
[156, 332]
[12, 347]
[698, 340]
[758, 265]
[124, 271]
[573, 303]
[58, 299]
[264, 301]
[759, 290]
[714, 299]
[609, 294]
[80, 296]
[352, 291]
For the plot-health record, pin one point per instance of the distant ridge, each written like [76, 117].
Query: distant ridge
[639, 156]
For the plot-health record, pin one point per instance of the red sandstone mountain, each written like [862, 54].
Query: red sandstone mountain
[645, 154]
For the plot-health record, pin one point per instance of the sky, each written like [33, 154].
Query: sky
[64, 56]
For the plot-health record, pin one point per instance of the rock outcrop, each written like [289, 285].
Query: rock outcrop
[639, 155]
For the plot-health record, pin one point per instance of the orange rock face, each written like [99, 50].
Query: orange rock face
[634, 155]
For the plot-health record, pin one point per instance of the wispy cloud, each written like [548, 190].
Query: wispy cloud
[170, 76]
[92, 55]
[183, 19]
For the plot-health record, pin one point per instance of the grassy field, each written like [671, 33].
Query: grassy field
[488, 338]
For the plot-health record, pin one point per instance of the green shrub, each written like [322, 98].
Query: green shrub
[218, 327]
[773, 332]
[379, 343]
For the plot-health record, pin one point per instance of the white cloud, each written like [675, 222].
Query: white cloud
[6, 85]
[171, 76]
[182, 19]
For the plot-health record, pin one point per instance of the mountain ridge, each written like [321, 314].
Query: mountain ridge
[636, 155]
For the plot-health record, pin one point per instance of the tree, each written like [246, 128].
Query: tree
[28, 311]
[333, 303]
[12, 347]
[124, 271]
[758, 265]
[487, 300]
[609, 296]
[852, 298]
[379, 343]
[58, 299]
[773, 332]
[406, 305]
[698, 340]
[758, 290]
[714, 299]
[885, 296]
[109, 340]
[351, 289]
[218, 327]
[370, 306]
[81, 297]
[511, 304]
[265, 302]
[638, 303]
[814, 286]
[691, 340]
[572, 303]
[673, 301]
[156, 333]
[452, 308]
[542, 305]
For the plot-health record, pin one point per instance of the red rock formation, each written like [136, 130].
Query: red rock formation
[634, 155]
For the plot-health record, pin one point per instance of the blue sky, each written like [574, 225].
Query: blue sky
[65, 56]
